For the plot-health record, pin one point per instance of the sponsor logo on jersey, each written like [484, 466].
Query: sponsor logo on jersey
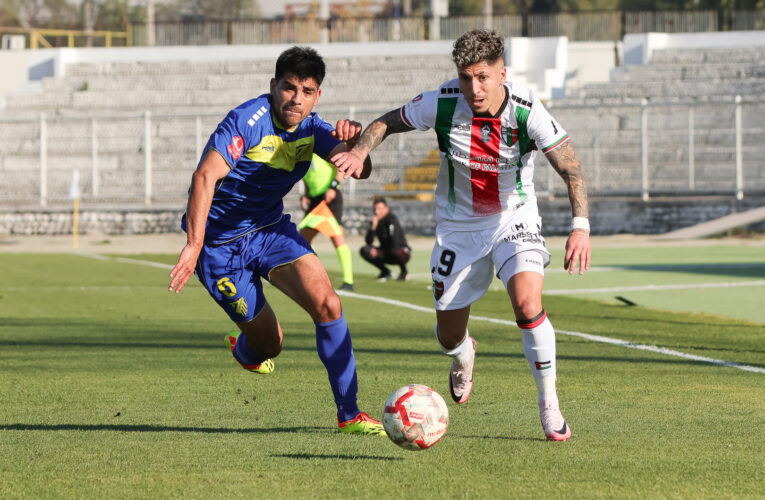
[418, 98]
[520, 227]
[236, 147]
[239, 306]
[226, 287]
[438, 289]
[523, 236]
[486, 132]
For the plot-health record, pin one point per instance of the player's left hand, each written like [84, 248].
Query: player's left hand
[349, 163]
[577, 250]
[347, 131]
[184, 269]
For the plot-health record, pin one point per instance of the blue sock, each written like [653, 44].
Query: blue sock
[333, 343]
[244, 355]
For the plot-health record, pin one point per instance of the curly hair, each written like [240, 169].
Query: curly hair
[476, 46]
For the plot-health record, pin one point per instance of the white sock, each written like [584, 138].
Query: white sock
[462, 353]
[539, 348]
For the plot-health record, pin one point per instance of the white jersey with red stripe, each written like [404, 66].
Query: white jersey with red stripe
[487, 164]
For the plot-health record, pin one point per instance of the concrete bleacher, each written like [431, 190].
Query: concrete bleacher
[604, 121]
[677, 74]
[116, 94]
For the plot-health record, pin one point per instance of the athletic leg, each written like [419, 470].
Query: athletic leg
[525, 291]
[462, 271]
[345, 259]
[455, 341]
[306, 282]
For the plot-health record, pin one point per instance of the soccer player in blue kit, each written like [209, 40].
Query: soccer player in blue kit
[237, 232]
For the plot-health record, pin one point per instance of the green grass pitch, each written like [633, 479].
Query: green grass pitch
[112, 387]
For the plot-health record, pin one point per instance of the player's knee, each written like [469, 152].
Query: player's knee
[328, 309]
[527, 308]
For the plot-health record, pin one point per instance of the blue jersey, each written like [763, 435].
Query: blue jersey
[266, 161]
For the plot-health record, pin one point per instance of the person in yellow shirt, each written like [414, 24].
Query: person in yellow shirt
[323, 206]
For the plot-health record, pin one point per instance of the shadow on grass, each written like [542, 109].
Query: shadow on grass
[312, 456]
[159, 428]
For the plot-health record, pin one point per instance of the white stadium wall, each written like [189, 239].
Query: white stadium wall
[638, 49]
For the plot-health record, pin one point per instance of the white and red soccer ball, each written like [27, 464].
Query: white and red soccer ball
[415, 417]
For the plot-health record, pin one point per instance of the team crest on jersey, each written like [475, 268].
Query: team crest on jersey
[236, 147]
[438, 289]
[510, 134]
[486, 132]
[239, 307]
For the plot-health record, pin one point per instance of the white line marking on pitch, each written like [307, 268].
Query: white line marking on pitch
[643, 288]
[587, 336]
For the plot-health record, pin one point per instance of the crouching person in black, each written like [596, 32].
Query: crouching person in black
[393, 248]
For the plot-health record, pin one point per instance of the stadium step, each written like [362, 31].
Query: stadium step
[418, 178]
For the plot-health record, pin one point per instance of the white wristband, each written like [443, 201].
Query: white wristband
[580, 223]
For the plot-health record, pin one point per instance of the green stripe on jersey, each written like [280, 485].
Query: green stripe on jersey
[521, 116]
[443, 128]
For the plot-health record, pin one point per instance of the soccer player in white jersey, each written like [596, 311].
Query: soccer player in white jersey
[491, 133]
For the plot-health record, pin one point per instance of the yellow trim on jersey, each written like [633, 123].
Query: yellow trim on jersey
[276, 153]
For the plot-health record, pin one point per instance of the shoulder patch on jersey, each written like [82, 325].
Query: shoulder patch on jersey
[256, 116]
[450, 91]
[521, 101]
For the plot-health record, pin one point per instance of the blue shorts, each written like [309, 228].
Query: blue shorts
[231, 272]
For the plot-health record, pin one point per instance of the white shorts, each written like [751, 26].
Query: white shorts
[463, 263]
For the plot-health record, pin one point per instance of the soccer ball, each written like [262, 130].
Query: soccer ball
[415, 417]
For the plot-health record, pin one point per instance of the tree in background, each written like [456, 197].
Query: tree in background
[211, 10]
[41, 13]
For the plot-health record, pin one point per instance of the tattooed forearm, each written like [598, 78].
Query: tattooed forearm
[378, 130]
[563, 159]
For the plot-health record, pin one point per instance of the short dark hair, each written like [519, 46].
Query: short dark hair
[476, 46]
[379, 199]
[303, 62]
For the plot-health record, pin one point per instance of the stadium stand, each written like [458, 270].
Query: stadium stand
[95, 119]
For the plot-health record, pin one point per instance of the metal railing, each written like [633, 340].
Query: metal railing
[641, 151]
[580, 26]
[36, 38]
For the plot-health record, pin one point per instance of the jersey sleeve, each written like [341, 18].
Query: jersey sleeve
[228, 139]
[420, 112]
[324, 142]
[544, 129]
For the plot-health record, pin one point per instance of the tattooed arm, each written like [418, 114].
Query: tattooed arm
[351, 162]
[563, 159]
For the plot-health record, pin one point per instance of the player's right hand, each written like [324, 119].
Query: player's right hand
[183, 270]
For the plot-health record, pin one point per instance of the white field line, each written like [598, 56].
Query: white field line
[587, 336]
[644, 288]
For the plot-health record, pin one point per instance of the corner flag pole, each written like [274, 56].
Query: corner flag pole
[74, 195]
